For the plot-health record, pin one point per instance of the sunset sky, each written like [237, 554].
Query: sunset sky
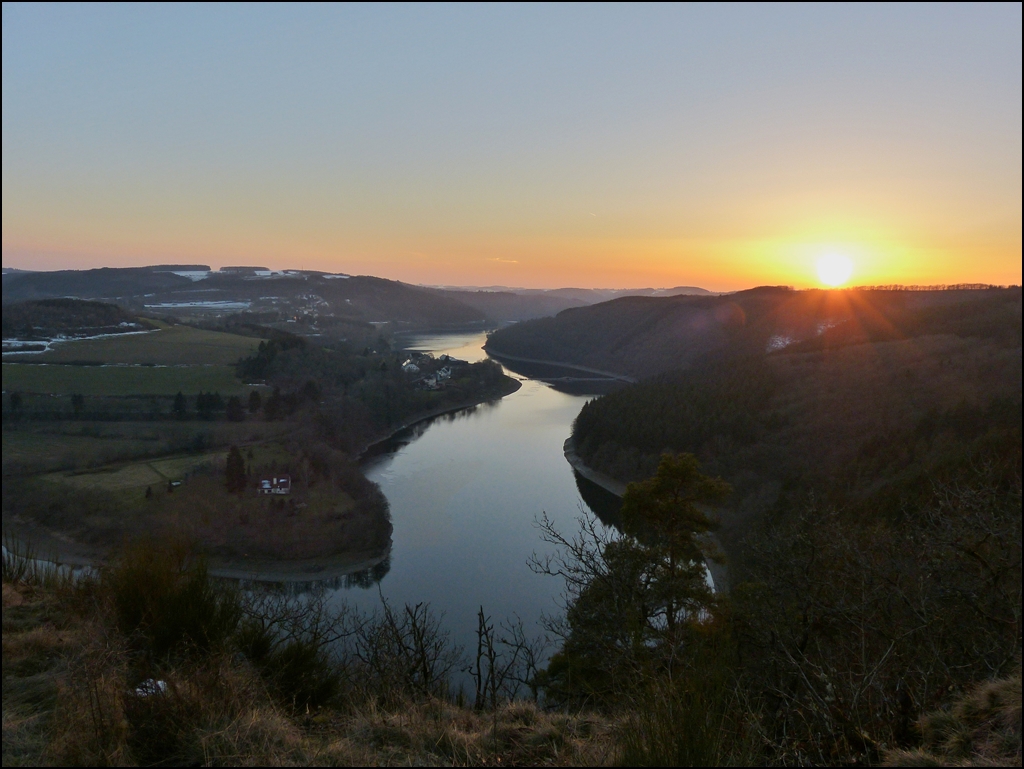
[595, 146]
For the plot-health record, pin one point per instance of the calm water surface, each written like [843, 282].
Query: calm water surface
[465, 490]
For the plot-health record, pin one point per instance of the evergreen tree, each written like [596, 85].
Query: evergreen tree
[208, 403]
[235, 470]
[235, 412]
[664, 512]
[274, 406]
[255, 401]
[311, 390]
[637, 601]
[179, 405]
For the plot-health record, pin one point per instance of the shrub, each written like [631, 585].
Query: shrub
[291, 642]
[165, 603]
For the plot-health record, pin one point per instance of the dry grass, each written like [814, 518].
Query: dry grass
[983, 728]
[438, 733]
[70, 697]
[37, 637]
[213, 713]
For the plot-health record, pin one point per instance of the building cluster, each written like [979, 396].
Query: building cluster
[429, 373]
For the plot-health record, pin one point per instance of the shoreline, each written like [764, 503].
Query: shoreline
[512, 386]
[607, 374]
[46, 547]
[606, 482]
[719, 572]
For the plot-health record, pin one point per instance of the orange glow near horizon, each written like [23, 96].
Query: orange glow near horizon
[630, 249]
[716, 264]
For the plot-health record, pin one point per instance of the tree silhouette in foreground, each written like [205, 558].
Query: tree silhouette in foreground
[665, 512]
[637, 604]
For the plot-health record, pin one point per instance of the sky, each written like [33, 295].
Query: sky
[539, 146]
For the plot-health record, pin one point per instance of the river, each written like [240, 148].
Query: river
[465, 490]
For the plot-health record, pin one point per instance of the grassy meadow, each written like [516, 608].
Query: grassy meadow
[136, 476]
[120, 380]
[165, 361]
[33, 447]
[167, 346]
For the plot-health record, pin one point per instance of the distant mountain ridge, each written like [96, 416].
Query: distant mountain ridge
[194, 288]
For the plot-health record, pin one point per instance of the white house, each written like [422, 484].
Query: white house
[277, 484]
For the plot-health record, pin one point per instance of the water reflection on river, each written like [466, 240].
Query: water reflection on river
[465, 490]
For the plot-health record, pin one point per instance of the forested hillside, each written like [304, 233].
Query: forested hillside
[103, 283]
[507, 304]
[48, 318]
[835, 413]
[644, 336]
[874, 528]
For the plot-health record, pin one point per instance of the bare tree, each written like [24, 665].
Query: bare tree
[505, 662]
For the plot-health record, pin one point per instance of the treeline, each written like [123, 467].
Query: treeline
[47, 318]
[830, 658]
[864, 596]
[624, 433]
[33, 407]
[357, 395]
[103, 282]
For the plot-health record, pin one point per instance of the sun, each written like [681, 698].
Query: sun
[834, 269]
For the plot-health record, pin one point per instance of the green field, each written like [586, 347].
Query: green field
[137, 475]
[168, 345]
[32, 452]
[121, 380]
[121, 476]
[30, 448]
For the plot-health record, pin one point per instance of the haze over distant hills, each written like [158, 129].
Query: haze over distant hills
[194, 288]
